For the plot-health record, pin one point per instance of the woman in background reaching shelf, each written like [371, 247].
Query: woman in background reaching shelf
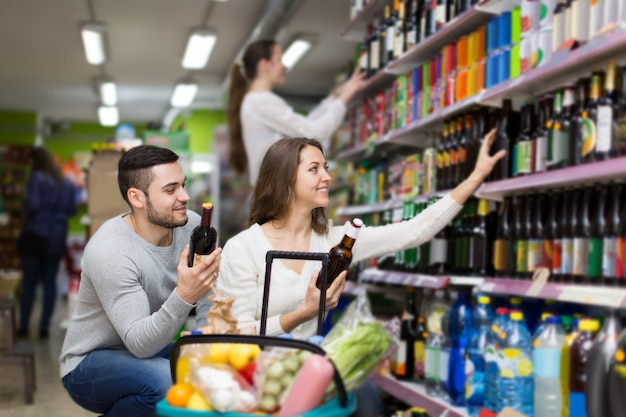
[257, 117]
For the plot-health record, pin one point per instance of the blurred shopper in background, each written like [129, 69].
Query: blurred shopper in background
[50, 201]
[257, 117]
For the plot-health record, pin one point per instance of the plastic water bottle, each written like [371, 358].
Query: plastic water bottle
[598, 362]
[617, 378]
[460, 332]
[475, 359]
[579, 353]
[540, 328]
[546, 363]
[434, 342]
[493, 355]
[565, 362]
[515, 383]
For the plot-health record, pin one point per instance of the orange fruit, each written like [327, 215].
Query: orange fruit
[178, 395]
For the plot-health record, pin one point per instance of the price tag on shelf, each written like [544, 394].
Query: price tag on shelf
[610, 297]
[540, 277]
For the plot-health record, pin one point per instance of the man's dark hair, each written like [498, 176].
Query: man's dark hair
[134, 169]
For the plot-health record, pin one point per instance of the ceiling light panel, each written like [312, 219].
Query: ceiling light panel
[184, 94]
[93, 35]
[199, 48]
[108, 93]
[295, 51]
[108, 115]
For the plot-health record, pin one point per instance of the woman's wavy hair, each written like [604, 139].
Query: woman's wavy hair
[274, 189]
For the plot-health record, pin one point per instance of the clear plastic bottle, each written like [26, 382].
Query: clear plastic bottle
[579, 353]
[547, 373]
[598, 362]
[515, 382]
[460, 332]
[617, 378]
[432, 374]
[493, 355]
[475, 360]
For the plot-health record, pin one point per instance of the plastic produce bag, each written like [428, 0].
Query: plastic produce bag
[223, 387]
[357, 343]
[220, 320]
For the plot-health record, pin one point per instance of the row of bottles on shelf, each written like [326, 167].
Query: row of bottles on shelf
[579, 123]
[542, 361]
[577, 234]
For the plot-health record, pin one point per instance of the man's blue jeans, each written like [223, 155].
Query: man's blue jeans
[116, 383]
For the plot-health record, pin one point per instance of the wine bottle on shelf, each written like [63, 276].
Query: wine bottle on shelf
[589, 127]
[463, 129]
[453, 147]
[582, 102]
[523, 151]
[597, 234]
[503, 244]
[203, 237]
[621, 110]
[554, 233]
[521, 235]
[569, 213]
[480, 249]
[606, 146]
[412, 24]
[400, 30]
[507, 127]
[609, 246]
[390, 36]
[536, 254]
[582, 236]
[540, 136]
[403, 365]
[341, 254]
[374, 50]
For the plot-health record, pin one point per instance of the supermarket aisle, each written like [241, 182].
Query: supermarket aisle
[51, 400]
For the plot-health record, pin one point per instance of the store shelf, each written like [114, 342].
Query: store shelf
[577, 175]
[374, 275]
[415, 395]
[356, 27]
[379, 81]
[565, 67]
[357, 210]
[581, 294]
[461, 25]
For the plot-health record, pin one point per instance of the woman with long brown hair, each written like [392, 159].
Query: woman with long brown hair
[257, 117]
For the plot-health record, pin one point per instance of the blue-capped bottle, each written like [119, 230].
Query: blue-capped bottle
[460, 332]
[493, 356]
[475, 359]
[515, 382]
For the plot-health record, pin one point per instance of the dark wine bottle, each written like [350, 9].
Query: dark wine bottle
[341, 254]
[204, 237]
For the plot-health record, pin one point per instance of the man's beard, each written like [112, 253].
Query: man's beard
[161, 220]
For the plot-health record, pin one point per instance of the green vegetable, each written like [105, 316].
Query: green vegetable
[357, 349]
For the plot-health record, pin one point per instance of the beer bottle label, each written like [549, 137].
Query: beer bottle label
[589, 135]
[557, 251]
[522, 256]
[581, 256]
[535, 254]
[605, 128]
[525, 157]
[567, 260]
[609, 256]
[595, 257]
[500, 254]
[620, 258]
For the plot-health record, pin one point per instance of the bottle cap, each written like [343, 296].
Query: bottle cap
[196, 331]
[357, 222]
[553, 320]
[517, 315]
[516, 301]
[502, 311]
[587, 325]
[546, 315]
[484, 299]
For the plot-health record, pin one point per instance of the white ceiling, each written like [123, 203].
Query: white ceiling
[43, 67]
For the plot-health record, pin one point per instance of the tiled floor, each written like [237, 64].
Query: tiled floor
[51, 399]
